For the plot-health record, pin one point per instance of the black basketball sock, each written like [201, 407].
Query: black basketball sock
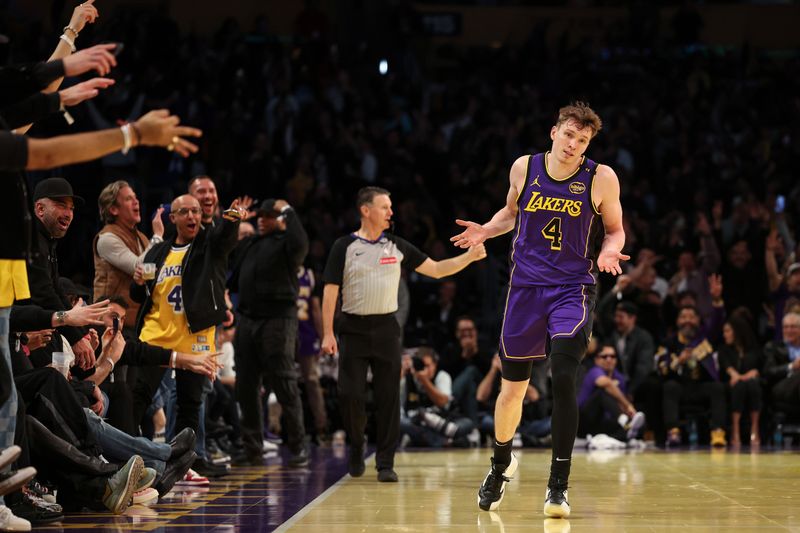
[502, 452]
[565, 355]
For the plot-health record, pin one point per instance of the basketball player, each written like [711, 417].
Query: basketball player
[553, 206]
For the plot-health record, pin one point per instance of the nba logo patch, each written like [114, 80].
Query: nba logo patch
[576, 187]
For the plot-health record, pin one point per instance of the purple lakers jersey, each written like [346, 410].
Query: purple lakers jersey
[555, 227]
[307, 340]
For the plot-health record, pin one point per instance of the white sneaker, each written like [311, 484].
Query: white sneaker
[11, 522]
[145, 497]
[636, 423]
[269, 446]
[556, 504]
[193, 479]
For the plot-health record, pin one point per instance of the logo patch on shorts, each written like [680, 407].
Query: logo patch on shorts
[388, 260]
[576, 187]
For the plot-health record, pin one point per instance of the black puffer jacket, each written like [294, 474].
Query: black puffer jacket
[203, 274]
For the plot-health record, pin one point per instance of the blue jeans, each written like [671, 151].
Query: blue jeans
[169, 397]
[8, 411]
[465, 386]
[118, 446]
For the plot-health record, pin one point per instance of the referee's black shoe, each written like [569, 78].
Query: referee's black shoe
[493, 487]
[356, 464]
[387, 475]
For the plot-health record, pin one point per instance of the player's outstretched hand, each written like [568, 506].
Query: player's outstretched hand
[473, 235]
[608, 261]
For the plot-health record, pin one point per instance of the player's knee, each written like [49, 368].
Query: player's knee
[564, 349]
[512, 393]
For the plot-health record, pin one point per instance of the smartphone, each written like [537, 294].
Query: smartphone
[780, 203]
[115, 326]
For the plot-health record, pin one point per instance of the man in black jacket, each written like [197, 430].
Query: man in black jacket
[782, 366]
[182, 306]
[265, 276]
[54, 203]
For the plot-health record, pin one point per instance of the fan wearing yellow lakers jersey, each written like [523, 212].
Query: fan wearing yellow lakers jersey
[183, 304]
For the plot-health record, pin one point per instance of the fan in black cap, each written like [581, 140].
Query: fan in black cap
[56, 188]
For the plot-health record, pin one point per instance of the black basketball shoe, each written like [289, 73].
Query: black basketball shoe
[555, 499]
[492, 489]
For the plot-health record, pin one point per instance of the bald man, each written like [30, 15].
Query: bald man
[182, 305]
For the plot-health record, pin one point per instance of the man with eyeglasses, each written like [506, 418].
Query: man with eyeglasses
[603, 402]
[182, 306]
[467, 362]
[782, 368]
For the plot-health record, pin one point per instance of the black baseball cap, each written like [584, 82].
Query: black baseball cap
[55, 188]
[267, 208]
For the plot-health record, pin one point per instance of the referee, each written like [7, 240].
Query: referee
[366, 266]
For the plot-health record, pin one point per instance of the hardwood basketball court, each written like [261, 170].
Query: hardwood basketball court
[703, 490]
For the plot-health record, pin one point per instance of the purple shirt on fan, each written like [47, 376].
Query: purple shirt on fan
[307, 339]
[588, 386]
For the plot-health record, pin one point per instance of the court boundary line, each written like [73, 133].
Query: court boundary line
[310, 506]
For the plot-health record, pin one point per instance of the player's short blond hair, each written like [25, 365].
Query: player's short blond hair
[581, 113]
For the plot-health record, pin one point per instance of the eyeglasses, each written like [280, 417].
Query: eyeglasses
[183, 211]
[607, 356]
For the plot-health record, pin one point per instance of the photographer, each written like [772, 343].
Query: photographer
[430, 419]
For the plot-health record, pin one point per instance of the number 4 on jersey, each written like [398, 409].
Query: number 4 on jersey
[175, 299]
[552, 232]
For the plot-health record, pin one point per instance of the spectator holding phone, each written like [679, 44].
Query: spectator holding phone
[120, 246]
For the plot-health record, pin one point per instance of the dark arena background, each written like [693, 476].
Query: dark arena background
[308, 102]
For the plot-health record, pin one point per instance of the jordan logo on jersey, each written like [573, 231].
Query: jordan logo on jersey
[557, 205]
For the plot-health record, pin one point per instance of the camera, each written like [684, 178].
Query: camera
[418, 363]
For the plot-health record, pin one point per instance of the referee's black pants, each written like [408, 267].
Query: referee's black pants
[264, 351]
[371, 341]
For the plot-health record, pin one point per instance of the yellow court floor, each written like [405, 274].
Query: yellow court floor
[703, 490]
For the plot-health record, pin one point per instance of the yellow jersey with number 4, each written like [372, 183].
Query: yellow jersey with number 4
[165, 324]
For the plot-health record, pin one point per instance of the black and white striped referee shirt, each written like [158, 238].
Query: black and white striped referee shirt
[368, 272]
